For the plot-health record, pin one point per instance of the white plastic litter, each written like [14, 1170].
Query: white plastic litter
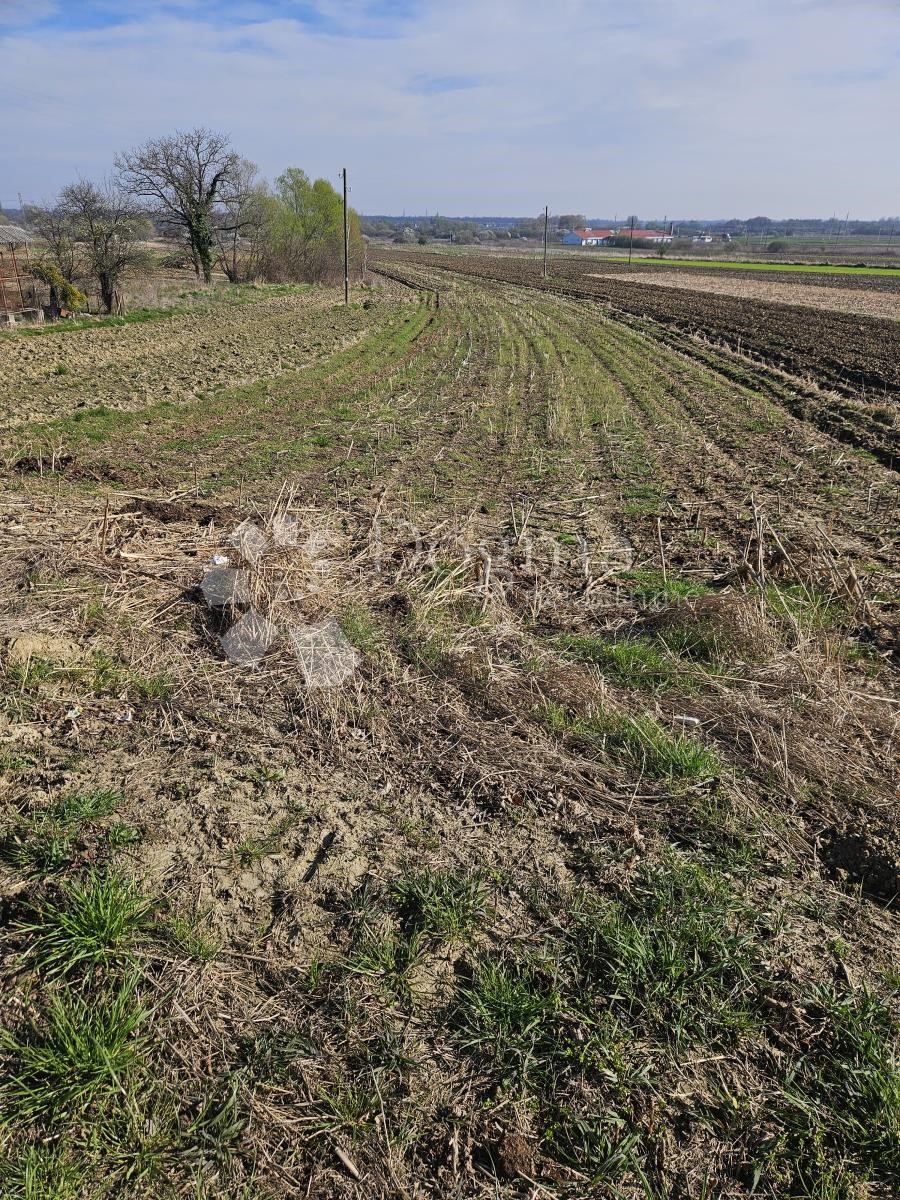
[325, 656]
[225, 585]
[250, 541]
[248, 639]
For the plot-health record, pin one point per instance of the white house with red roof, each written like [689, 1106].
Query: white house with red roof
[589, 237]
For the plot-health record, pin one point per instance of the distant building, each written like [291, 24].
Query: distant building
[643, 236]
[589, 237]
[616, 237]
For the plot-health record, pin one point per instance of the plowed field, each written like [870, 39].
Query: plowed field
[521, 818]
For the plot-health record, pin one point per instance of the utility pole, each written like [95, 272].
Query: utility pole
[346, 245]
[546, 219]
[631, 240]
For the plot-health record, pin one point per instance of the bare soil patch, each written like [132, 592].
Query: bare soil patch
[867, 302]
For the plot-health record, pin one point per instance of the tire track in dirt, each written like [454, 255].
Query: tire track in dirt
[857, 356]
[787, 458]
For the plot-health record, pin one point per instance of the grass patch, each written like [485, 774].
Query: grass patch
[650, 586]
[361, 629]
[838, 1108]
[96, 924]
[639, 741]
[251, 850]
[643, 500]
[387, 957]
[809, 609]
[443, 905]
[636, 662]
[190, 937]
[42, 842]
[678, 954]
[581, 1026]
[103, 675]
[794, 268]
[76, 1054]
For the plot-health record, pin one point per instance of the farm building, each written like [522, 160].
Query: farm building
[589, 237]
[18, 294]
[644, 236]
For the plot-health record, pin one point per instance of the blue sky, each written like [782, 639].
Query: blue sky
[782, 107]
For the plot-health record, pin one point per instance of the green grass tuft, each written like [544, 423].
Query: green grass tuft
[96, 924]
[635, 662]
[443, 905]
[76, 1054]
[648, 586]
[639, 741]
[41, 843]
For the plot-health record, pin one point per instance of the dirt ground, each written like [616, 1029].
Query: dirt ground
[201, 347]
[452, 752]
[867, 302]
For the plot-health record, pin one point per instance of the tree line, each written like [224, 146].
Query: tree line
[209, 203]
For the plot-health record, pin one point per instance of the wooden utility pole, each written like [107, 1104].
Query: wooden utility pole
[546, 219]
[631, 240]
[346, 245]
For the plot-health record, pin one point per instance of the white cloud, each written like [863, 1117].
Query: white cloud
[781, 106]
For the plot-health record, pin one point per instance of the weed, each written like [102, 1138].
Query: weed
[678, 953]
[153, 687]
[602, 1144]
[349, 1107]
[76, 1055]
[12, 762]
[508, 1010]
[360, 628]
[853, 1080]
[29, 675]
[41, 1172]
[388, 957]
[651, 586]
[60, 369]
[262, 774]
[837, 1117]
[41, 842]
[272, 1053]
[88, 805]
[192, 939]
[108, 674]
[643, 500]
[251, 850]
[96, 924]
[120, 835]
[636, 663]
[639, 741]
[811, 610]
[443, 905]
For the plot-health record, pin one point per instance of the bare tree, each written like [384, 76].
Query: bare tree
[110, 227]
[183, 177]
[53, 225]
[239, 223]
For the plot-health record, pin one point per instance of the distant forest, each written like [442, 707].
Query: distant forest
[467, 230]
